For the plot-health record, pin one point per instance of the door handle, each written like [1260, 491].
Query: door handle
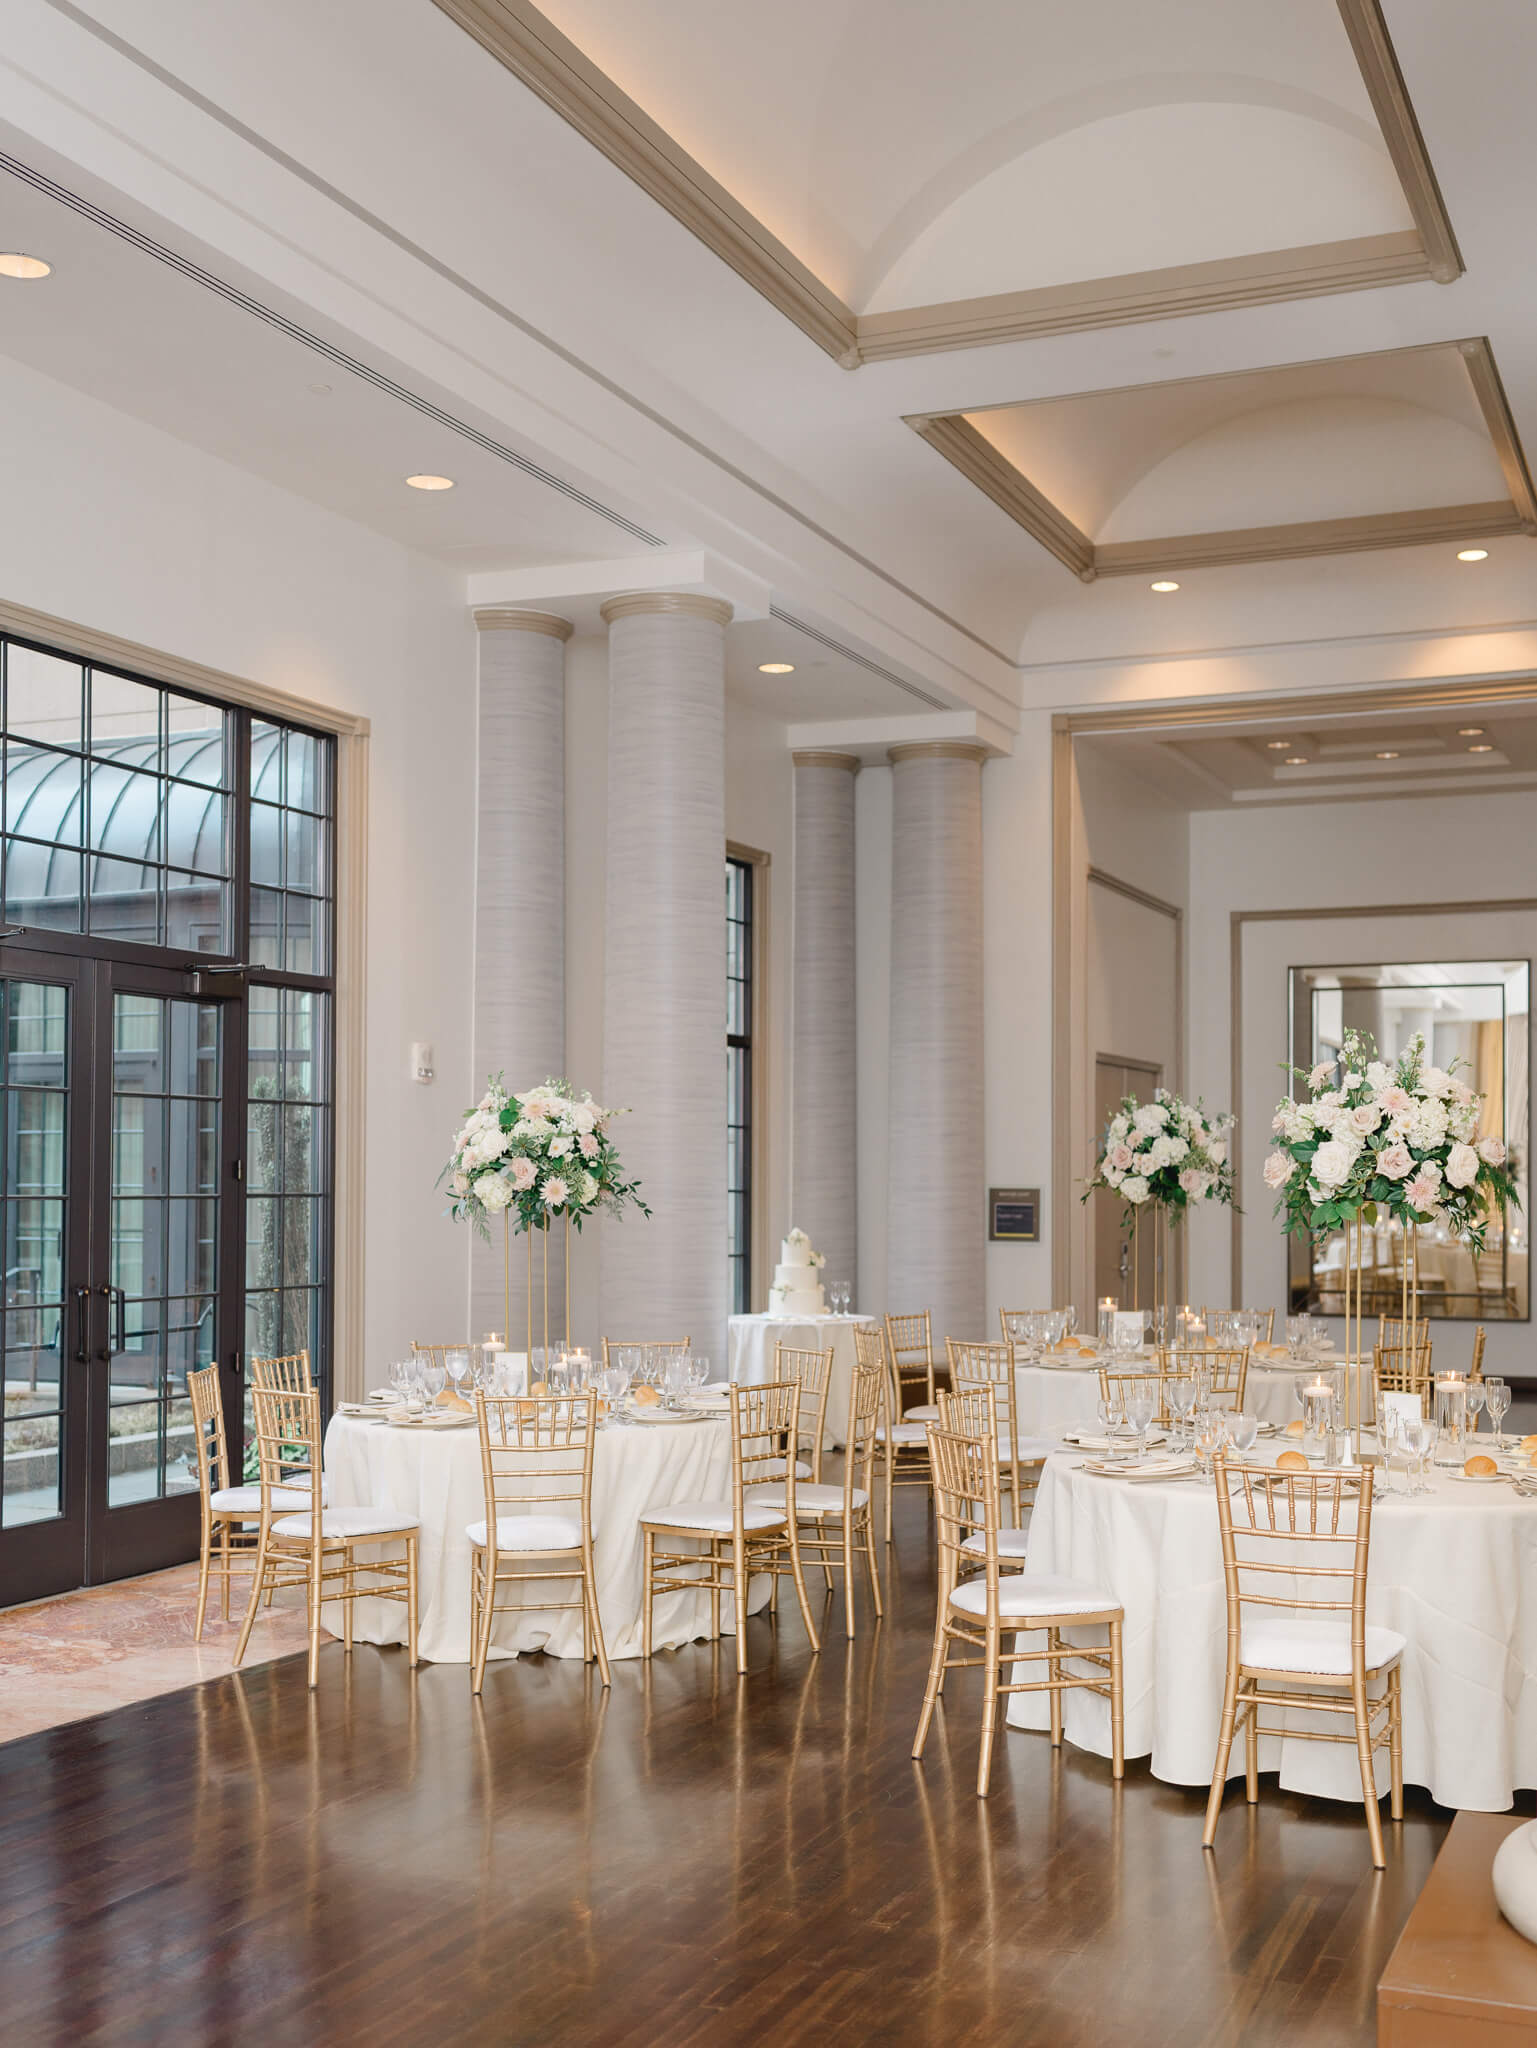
[120, 1311]
[82, 1316]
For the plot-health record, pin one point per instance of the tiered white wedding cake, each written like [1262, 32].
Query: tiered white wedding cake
[796, 1290]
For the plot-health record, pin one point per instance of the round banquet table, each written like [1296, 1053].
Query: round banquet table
[1454, 1571]
[1053, 1398]
[751, 1345]
[435, 1476]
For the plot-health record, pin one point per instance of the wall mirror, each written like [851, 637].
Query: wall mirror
[1475, 1010]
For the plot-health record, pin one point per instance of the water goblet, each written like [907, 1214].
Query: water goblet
[557, 1375]
[1070, 1320]
[1210, 1433]
[402, 1376]
[1423, 1438]
[1140, 1410]
[1497, 1401]
[698, 1369]
[1474, 1400]
[1111, 1414]
[456, 1364]
[616, 1384]
[1181, 1392]
[676, 1380]
[1242, 1430]
[433, 1378]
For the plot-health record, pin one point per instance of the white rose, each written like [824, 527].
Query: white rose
[1178, 1150]
[1151, 1117]
[1463, 1121]
[1435, 1081]
[1279, 1169]
[1114, 1174]
[1332, 1163]
[589, 1187]
[492, 1192]
[1320, 1074]
[1134, 1188]
[1377, 1075]
[559, 1147]
[1492, 1151]
[1427, 1126]
[1216, 1151]
[1462, 1166]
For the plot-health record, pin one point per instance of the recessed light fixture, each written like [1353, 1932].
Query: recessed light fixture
[1470, 732]
[776, 668]
[1388, 755]
[1472, 554]
[1484, 749]
[1296, 760]
[1164, 584]
[1277, 746]
[430, 483]
[14, 264]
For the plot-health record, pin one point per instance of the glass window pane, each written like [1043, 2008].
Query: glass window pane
[197, 910]
[125, 719]
[189, 1325]
[303, 1252]
[266, 947]
[266, 846]
[44, 696]
[261, 1165]
[32, 1340]
[262, 1266]
[42, 887]
[138, 1043]
[44, 794]
[32, 1487]
[266, 762]
[138, 1247]
[194, 828]
[194, 1048]
[180, 1471]
[305, 924]
[262, 1322]
[300, 1326]
[304, 1066]
[301, 1131]
[35, 1141]
[305, 850]
[198, 741]
[125, 812]
[125, 901]
[134, 1448]
[192, 1166]
[193, 1228]
[34, 1251]
[37, 1014]
[305, 789]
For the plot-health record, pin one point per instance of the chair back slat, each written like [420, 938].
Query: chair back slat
[813, 1370]
[288, 1375]
[911, 1353]
[965, 1469]
[1225, 1371]
[536, 1451]
[1125, 1384]
[974, 1366]
[612, 1344]
[867, 1390]
[287, 1439]
[1395, 1370]
[1295, 1540]
[209, 1442]
[765, 1427]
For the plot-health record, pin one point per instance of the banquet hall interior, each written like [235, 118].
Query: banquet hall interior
[768, 829]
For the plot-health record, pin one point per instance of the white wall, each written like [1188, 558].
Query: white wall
[1413, 853]
[111, 525]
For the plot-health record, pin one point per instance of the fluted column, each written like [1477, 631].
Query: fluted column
[936, 1219]
[824, 1060]
[520, 908]
[664, 965]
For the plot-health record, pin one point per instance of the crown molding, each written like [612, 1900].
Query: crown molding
[939, 750]
[675, 602]
[1010, 489]
[812, 757]
[498, 619]
[1246, 711]
[1302, 537]
[1489, 389]
[521, 39]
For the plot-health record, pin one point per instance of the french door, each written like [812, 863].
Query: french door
[120, 1187]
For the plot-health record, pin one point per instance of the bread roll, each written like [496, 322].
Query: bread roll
[1291, 1461]
[541, 1388]
[449, 1399]
[1296, 1427]
[1529, 1443]
[644, 1396]
[1480, 1467]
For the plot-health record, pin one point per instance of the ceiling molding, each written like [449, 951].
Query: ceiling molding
[1385, 87]
[1419, 698]
[528, 45]
[984, 464]
[991, 471]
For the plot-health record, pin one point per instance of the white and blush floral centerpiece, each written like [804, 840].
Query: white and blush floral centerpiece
[1168, 1153]
[534, 1157]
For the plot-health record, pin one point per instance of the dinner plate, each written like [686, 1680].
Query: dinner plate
[1483, 1478]
[668, 1415]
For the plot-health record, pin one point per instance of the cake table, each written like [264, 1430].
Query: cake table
[751, 1345]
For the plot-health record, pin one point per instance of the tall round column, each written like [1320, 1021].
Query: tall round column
[936, 1219]
[824, 1058]
[520, 914]
[664, 965]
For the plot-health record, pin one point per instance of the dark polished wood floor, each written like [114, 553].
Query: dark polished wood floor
[694, 1862]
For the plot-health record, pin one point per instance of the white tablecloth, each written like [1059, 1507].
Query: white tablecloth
[752, 1340]
[1454, 1571]
[435, 1476]
[1052, 1398]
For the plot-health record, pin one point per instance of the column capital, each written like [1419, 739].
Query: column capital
[812, 757]
[689, 602]
[939, 750]
[504, 619]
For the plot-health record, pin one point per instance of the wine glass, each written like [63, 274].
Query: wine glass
[698, 1369]
[1423, 1437]
[456, 1364]
[1181, 1394]
[1473, 1401]
[403, 1377]
[1140, 1410]
[433, 1378]
[616, 1384]
[1242, 1430]
[676, 1379]
[1111, 1414]
[1210, 1432]
[1070, 1320]
[1497, 1401]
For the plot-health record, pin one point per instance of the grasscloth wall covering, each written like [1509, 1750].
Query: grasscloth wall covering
[936, 1230]
[520, 911]
[664, 1010]
[824, 1058]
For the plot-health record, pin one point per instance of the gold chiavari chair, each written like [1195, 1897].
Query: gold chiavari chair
[1392, 1335]
[1019, 1462]
[839, 1519]
[289, 1375]
[902, 1442]
[912, 1366]
[1112, 1383]
[612, 1344]
[974, 1613]
[1266, 1316]
[1398, 1371]
[971, 1409]
[536, 1467]
[1225, 1372]
[813, 1370]
[1320, 1645]
[1012, 1322]
[230, 1516]
[738, 1537]
[320, 1553]
[1476, 1369]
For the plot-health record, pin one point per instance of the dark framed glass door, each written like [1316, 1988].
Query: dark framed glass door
[118, 1174]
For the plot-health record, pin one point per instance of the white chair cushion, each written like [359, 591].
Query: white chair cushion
[906, 1435]
[530, 1532]
[809, 1500]
[713, 1517]
[1313, 1644]
[1030, 1593]
[927, 1412]
[775, 1469]
[1011, 1543]
[346, 1522]
[247, 1500]
[1032, 1448]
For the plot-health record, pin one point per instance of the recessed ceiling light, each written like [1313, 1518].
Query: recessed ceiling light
[1163, 584]
[321, 390]
[1484, 749]
[1470, 732]
[14, 264]
[776, 668]
[1278, 746]
[1388, 755]
[1472, 554]
[1296, 760]
[430, 483]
